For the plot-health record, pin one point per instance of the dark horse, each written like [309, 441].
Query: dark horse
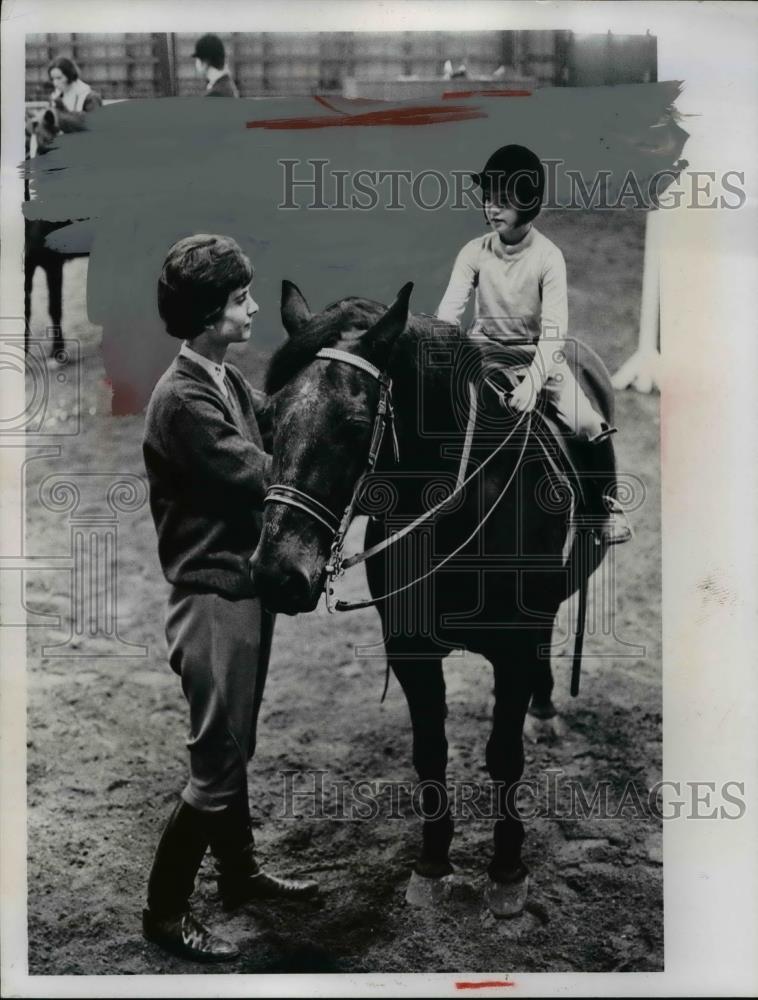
[500, 594]
[44, 128]
[38, 254]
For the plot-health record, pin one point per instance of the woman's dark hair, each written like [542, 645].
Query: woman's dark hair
[198, 275]
[67, 66]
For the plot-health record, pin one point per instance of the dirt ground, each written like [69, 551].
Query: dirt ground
[106, 734]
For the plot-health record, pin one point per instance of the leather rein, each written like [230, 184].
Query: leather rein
[338, 527]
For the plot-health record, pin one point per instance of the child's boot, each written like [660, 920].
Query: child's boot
[605, 512]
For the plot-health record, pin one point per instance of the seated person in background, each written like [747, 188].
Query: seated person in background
[71, 98]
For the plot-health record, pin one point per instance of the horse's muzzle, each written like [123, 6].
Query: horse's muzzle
[284, 588]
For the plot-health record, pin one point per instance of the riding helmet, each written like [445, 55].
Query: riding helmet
[515, 173]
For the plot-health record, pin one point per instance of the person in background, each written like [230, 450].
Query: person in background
[70, 103]
[210, 61]
[71, 98]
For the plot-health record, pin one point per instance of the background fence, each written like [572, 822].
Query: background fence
[136, 65]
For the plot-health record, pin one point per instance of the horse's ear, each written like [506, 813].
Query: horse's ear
[379, 340]
[295, 311]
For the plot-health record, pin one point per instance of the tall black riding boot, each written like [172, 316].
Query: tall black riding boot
[240, 878]
[167, 920]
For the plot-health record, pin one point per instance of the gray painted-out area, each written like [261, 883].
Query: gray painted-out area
[149, 172]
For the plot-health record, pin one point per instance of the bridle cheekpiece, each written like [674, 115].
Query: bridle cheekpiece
[293, 497]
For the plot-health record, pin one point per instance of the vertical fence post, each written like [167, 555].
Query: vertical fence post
[652, 58]
[163, 64]
[172, 63]
[234, 61]
[266, 60]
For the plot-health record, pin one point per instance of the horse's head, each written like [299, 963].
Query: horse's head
[324, 414]
[42, 129]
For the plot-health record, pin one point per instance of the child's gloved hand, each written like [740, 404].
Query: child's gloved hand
[523, 399]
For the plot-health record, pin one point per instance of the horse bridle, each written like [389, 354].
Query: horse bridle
[293, 497]
[338, 527]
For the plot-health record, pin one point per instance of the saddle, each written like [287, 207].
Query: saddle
[504, 364]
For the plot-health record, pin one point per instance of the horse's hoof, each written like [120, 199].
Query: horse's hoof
[428, 892]
[506, 899]
[543, 710]
[544, 730]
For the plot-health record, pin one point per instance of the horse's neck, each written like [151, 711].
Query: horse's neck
[426, 417]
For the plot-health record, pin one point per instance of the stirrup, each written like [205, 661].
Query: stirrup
[617, 515]
[604, 435]
[601, 527]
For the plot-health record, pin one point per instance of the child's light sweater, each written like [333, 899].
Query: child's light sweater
[521, 292]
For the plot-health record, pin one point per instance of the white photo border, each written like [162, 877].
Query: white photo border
[709, 304]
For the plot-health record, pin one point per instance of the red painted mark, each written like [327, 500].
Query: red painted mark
[422, 115]
[362, 100]
[452, 94]
[323, 101]
[484, 984]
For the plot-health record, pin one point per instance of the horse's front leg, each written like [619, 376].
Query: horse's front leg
[542, 706]
[423, 684]
[543, 724]
[54, 272]
[30, 266]
[514, 684]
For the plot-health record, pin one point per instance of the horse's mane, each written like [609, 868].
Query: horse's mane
[352, 313]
